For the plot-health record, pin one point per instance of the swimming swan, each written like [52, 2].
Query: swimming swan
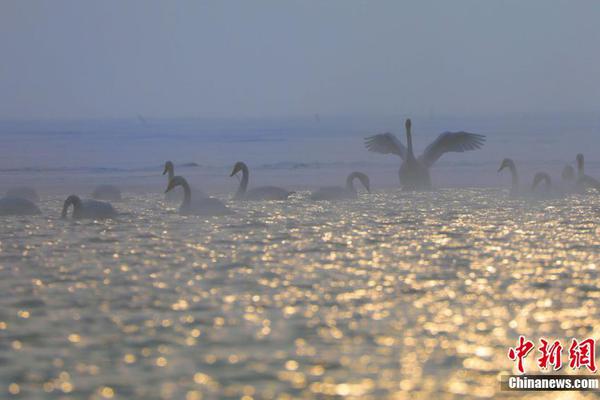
[93, 209]
[549, 191]
[201, 206]
[414, 172]
[176, 196]
[107, 192]
[23, 192]
[259, 193]
[18, 206]
[584, 181]
[510, 164]
[338, 192]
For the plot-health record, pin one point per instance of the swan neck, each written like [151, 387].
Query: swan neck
[409, 144]
[580, 167]
[514, 175]
[350, 183]
[243, 183]
[171, 173]
[187, 194]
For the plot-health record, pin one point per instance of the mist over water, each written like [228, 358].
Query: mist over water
[303, 152]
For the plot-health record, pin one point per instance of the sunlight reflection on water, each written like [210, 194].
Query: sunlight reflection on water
[392, 295]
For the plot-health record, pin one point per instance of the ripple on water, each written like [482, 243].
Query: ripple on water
[391, 294]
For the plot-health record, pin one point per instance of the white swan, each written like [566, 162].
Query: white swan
[18, 206]
[510, 164]
[88, 208]
[23, 192]
[201, 206]
[107, 192]
[338, 192]
[174, 195]
[585, 181]
[259, 193]
[549, 191]
[414, 172]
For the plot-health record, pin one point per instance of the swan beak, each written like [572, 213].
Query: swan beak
[235, 171]
[165, 171]
[501, 168]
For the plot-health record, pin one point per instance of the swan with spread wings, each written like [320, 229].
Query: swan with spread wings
[414, 172]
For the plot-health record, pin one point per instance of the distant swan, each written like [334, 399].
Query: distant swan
[338, 192]
[93, 209]
[176, 196]
[259, 193]
[17, 206]
[201, 206]
[23, 192]
[584, 181]
[510, 164]
[414, 172]
[107, 192]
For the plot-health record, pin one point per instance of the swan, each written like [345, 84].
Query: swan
[414, 172]
[23, 192]
[107, 192]
[201, 206]
[18, 206]
[176, 196]
[338, 192]
[259, 193]
[510, 164]
[585, 181]
[88, 208]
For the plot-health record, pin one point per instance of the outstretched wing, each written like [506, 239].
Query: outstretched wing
[385, 143]
[451, 142]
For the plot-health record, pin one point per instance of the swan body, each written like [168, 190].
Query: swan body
[259, 193]
[414, 172]
[18, 206]
[340, 193]
[93, 209]
[23, 192]
[510, 164]
[107, 192]
[201, 206]
[585, 181]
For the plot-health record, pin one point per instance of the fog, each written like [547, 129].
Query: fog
[107, 59]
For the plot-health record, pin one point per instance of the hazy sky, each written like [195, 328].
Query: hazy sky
[277, 58]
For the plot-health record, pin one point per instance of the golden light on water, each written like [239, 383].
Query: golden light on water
[391, 296]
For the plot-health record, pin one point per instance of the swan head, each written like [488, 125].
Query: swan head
[407, 124]
[506, 163]
[541, 176]
[168, 167]
[75, 201]
[174, 182]
[568, 173]
[237, 168]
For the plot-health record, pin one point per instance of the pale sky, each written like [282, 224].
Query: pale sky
[117, 58]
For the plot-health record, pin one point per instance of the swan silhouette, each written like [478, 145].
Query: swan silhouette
[107, 192]
[23, 192]
[510, 164]
[93, 209]
[201, 206]
[585, 181]
[18, 206]
[176, 196]
[414, 172]
[338, 192]
[259, 193]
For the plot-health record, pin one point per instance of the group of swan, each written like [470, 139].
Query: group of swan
[203, 205]
[572, 183]
[414, 172]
